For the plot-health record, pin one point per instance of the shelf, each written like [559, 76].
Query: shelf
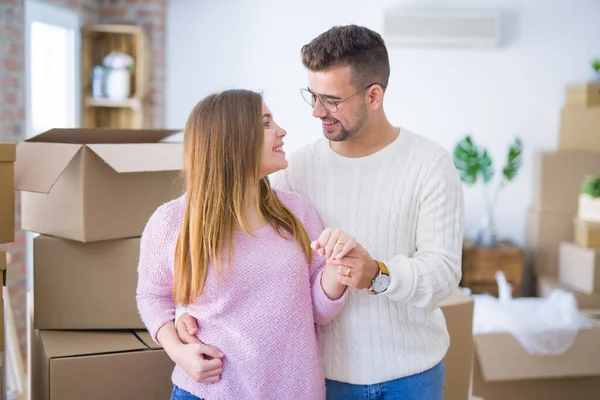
[132, 103]
[97, 42]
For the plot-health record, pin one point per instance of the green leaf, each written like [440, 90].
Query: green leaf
[486, 166]
[514, 160]
[596, 65]
[591, 186]
[466, 160]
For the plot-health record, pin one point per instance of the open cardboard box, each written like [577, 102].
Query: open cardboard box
[504, 370]
[458, 363]
[124, 365]
[85, 285]
[95, 184]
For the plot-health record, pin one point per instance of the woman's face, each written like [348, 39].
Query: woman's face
[272, 158]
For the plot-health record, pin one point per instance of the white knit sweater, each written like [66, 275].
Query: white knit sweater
[404, 204]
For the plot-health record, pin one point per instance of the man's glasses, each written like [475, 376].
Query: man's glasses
[327, 102]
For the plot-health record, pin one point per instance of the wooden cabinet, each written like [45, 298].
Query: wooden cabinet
[480, 264]
[133, 112]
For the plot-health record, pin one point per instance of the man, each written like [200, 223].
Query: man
[400, 198]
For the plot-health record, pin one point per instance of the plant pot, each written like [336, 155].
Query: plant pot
[487, 232]
[117, 84]
[589, 208]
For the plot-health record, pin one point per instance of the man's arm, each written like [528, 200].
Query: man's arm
[434, 271]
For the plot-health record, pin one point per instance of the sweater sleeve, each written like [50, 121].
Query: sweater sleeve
[324, 309]
[434, 271]
[155, 276]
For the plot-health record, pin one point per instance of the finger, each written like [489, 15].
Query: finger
[344, 280]
[212, 374]
[324, 237]
[314, 245]
[211, 351]
[344, 270]
[184, 334]
[208, 381]
[350, 245]
[335, 236]
[190, 323]
[348, 261]
[208, 366]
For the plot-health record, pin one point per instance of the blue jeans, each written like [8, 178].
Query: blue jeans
[427, 385]
[180, 394]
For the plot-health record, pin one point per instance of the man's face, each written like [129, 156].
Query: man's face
[330, 87]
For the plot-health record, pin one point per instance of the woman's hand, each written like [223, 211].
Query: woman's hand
[334, 243]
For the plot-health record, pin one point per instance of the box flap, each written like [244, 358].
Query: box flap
[502, 358]
[144, 336]
[141, 157]
[102, 135]
[8, 152]
[37, 167]
[79, 343]
[457, 298]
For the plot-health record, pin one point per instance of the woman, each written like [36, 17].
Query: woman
[238, 256]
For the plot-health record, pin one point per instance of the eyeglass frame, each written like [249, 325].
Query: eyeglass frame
[335, 102]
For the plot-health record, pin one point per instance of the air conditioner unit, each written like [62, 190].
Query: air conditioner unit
[446, 28]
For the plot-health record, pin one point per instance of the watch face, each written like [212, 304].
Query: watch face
[381, 283]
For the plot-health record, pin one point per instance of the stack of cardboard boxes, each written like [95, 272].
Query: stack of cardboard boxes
[7, 228]
[579, 262]
[503, 369]
[552, 219]
[89, 193]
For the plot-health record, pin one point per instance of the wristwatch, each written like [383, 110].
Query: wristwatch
[381, 281]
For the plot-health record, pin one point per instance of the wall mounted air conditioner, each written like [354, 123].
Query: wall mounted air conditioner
[447, 28]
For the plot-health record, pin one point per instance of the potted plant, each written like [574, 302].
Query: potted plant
[473, 164]
[596, 68]
[589, 199]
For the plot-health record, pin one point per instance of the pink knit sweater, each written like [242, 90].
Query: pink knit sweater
[263, 314]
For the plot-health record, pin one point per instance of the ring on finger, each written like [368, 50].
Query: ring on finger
[348, 272]
[340, 242]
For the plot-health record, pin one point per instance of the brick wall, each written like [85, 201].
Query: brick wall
[149, 13]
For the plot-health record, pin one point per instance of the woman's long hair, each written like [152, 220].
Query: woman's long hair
[223, 140]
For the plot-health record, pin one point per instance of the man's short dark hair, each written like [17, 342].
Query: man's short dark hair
[358, 47]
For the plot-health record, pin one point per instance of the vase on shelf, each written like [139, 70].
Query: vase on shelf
[117, 83]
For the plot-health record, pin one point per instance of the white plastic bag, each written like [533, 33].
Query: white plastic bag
[543, 326]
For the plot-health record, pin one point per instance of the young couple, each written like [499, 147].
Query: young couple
[276, 306]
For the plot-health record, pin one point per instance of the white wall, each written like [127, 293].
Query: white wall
[443, 94]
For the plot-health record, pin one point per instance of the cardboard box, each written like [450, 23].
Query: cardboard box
[580, 267]
[583, 94]
[557, 180]
[98, 366]
[580, 130]
[545, 230]
[458, 363]
[85, 285]
[504, 370]
[587, 234]
[545, 285]
[7, 192]
[589, 208]
[95, 184]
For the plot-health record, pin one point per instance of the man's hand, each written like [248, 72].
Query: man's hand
[202, 363]
[357, 269]
[186, 328]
